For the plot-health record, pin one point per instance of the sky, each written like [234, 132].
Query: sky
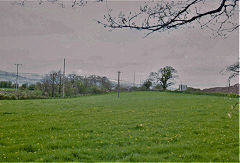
[40, 36]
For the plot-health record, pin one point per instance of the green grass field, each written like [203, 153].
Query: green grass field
[8, 89]
[139, 126]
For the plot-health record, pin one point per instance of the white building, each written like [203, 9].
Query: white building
[182, 87]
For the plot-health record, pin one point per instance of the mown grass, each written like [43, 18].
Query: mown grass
[139, 126]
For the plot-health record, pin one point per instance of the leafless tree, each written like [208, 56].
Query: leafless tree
[220, 16]
[53, 77]
[233, 69]
[234, 72]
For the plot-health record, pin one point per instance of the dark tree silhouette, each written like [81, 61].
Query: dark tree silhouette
[147, 84]
[233, 70]
[221, 16]
[163, 77]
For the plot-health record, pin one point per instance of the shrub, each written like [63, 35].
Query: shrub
[22, 95]
[32, 87]
[95, 90]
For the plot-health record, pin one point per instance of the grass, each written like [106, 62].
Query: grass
[139, 126]
[8, 89]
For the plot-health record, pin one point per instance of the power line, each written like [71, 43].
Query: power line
[39, 76]
[27, 73]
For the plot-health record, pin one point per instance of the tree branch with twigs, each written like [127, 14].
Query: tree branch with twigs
[170, 15]
[234, 70]
[62, 3]
[220, 16]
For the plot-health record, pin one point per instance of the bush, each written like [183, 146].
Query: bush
[24, 86]
[95, 90]
[21, 95]
[4, 96]
[32, 87]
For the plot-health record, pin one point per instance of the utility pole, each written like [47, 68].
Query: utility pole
[63, 77]
[53, 81]
[17, 75]
[118, 86]
[134, 79]
[229, 84]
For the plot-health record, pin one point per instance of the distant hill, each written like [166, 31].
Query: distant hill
[232, 89]
[22, 78]
[123, 84]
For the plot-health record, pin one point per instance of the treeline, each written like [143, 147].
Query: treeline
[7, 84]
[52, 84]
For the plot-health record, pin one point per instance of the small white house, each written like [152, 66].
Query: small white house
[182, 87]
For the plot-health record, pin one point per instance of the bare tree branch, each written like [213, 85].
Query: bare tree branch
[233, 69]
[220, 16]
[165, 15]
[62, 3]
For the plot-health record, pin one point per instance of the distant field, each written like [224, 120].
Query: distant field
[7, 89]
[139, 126]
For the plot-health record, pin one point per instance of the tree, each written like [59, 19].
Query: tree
[53, 77]
[45, 85]
[147, 84]
[170, 15]
[164, 76]
[220, 16]
[32, 87]
[106, 83]
[233, 69]
[73, 3]
[234, 72]
[6, 84]
[24, 86]
[51, 84]
[158, 87]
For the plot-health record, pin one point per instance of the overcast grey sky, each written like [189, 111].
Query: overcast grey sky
[40, 37]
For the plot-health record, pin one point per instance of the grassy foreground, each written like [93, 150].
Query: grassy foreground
[140, 126]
